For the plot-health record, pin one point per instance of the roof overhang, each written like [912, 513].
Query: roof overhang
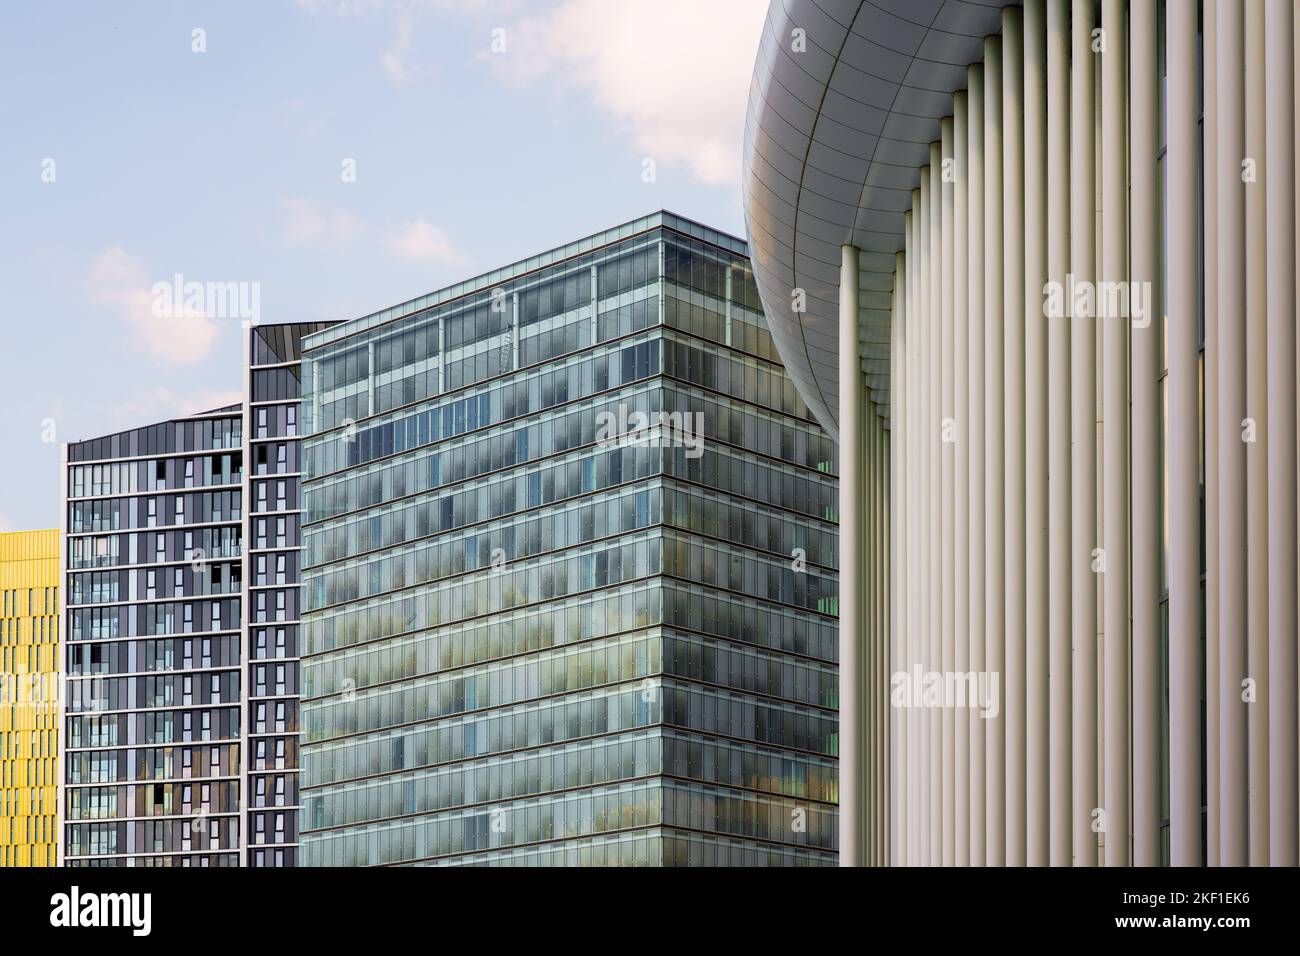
[841, 118]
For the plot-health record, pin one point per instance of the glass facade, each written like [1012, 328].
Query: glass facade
[568, 572]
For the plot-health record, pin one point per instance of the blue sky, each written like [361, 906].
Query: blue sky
[481, 132]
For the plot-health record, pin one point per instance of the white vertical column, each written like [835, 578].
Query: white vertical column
[896, 755]
[1060, 564]
[1115, 332]
[960, 412]
[883, 721]
[1210, 296]
[852, 401]
[1295, 153]
[1229, 407]
[899, 479]
[932, 438]
[972, 724]
[1144, 191]
[1014, 407]
[870, 602]
[932, 442]
[1083, 439]
[1257, 454]
[1183, 441]
[1037, 632]
[1282, 625]
[879, 593]
[916, 746]
[947, 549]
[994, 321]
[900, 497]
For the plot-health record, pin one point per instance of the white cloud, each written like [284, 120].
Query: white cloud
[118, 279]
[6, 524]
[309, 222]
[424, 242]
[395, 59]
[675, 72]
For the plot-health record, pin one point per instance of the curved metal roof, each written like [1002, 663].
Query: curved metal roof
[835, 140]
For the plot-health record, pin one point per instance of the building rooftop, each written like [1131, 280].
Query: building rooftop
[488, 280]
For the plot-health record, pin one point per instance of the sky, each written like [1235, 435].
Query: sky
[330, 158]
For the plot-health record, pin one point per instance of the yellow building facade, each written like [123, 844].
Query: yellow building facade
[29, 669]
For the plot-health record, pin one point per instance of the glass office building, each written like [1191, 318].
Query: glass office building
[568, 571]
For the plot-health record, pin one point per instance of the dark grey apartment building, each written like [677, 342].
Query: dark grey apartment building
[181, 606]
[153, 523]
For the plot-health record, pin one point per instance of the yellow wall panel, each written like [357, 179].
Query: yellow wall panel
[29, 668]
